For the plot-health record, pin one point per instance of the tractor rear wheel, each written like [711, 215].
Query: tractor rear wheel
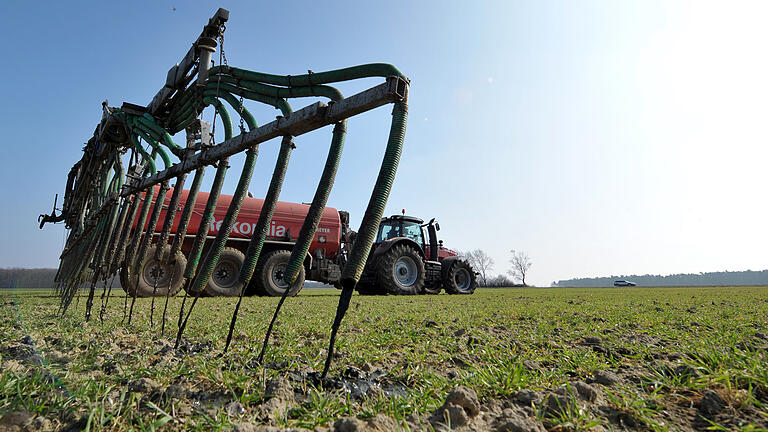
[459, 278]
[401, 270]
[224, 281]
[269, 275]
[155, 276]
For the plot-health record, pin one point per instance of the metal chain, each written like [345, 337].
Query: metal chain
[222, 54]
[241, 108]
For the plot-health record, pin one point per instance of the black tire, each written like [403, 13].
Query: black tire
[366, 289]
[434, 289]
[459, 278]
[268, 275]
[224, 280]
[401, 271]
[155, 276]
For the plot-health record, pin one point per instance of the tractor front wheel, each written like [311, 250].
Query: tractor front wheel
[401, 270]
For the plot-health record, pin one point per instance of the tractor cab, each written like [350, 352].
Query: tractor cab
[413, 228]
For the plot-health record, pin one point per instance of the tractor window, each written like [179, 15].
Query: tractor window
[413, 231]
[388, 230]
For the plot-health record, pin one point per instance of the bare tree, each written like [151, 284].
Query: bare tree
[520, 265]
[481, 262]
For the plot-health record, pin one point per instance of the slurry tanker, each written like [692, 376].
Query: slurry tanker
[406, 257]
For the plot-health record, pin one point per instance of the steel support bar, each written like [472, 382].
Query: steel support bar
[298, 123]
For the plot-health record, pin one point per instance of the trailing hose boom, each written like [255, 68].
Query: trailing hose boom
[131, 160]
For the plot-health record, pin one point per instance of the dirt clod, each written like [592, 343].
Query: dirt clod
[279, 388]
[517, 421]
[585, 391]
[143, 385]
[16, 418]
[527, 397]
[606, 378]
[711, 404]
[464, 397]
[348, 424]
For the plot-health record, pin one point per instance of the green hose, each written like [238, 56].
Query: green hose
[149, 121]
[157, 149]
[289, 92]
[276, 102]
[353, 269]
[346, 74]
[214, 252]
[116, 243]
[267, 211]
[213, 197]
[205, 221]
[170, 215]
[136, 233]
[146, 237]
[186, 214]
[308, 228]
[144, 154]
[212, 257]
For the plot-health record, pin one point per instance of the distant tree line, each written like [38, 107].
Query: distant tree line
[747, 277]
[32, 278]
[27, 278]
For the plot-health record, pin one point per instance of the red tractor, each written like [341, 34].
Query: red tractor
[404, 260]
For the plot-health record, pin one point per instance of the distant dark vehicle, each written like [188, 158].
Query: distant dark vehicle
[621, 283]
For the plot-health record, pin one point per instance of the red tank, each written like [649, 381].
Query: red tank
[285, 226]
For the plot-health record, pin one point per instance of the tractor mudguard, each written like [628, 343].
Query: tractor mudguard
[386, 245]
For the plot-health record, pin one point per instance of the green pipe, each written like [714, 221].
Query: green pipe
[240, 109]
[212, 258]
[146, 238]
[143, 153]
[260, 234]
[289, 92]
[214, 252]
[157, 149]
[308, 228]
[225, 119]
[205, 221]
[345, 74]
[170, 215]
[278, 103]
[154, 135]
[228, 223]
[125, 220]
[267, 211]
[186, 214]
[149, 121]
[115, 235]
[136, 236]
[353, 269]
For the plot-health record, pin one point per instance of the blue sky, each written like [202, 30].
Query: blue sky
[600, 137]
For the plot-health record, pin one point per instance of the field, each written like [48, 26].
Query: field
[501, 359]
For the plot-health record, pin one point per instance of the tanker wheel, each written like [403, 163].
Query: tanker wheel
[401, 270]
[269, 275]
[225, 280]
[155, 276]
[459, 278]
